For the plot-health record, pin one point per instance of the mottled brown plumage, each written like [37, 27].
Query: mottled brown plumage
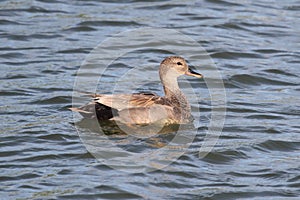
[146, 108]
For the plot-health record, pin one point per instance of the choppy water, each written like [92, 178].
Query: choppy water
[255, 45]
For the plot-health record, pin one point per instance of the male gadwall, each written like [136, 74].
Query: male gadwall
[146, 108]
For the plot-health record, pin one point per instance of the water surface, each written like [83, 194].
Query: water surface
[255, 45]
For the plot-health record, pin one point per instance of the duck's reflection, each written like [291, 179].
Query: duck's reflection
[153, 134]
[126, 148]
[112, 128]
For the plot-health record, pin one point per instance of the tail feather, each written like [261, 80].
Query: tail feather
[96, 110]
[86, 113]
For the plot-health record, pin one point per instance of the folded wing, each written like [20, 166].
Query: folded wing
[126, 101]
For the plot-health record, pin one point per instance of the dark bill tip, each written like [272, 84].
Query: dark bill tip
[190, 72]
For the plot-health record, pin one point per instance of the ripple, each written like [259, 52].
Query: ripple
[77, 50]
[273, 145]
[232, 55]
[265, 116]
[11, 55]
[278, 71]
[80, 28]
[8, 22]
[248, 79]
[267, 174]
[38, 9]
[23, 176]
[21, 76]
[224, 157]
[223, 2]
[17, 92]
[108, 23]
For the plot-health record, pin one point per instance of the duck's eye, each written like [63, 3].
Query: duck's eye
[179, 63]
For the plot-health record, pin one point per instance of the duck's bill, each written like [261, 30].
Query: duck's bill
[190, 72]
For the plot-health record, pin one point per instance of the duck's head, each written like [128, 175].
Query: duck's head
[176, 66]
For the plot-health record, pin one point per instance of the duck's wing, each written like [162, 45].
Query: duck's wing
[126, 101]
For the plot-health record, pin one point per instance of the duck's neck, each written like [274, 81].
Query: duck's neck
[171, 87]
[172, 90]
[177, 99]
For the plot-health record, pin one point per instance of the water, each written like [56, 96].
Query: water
[255, 45]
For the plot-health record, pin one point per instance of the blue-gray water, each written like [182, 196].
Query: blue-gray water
[256, 47]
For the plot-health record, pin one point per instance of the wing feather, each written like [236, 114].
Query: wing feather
[126, 101]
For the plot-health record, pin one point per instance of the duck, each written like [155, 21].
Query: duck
[146, 108]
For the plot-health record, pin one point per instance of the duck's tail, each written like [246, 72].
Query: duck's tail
[96, 110]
